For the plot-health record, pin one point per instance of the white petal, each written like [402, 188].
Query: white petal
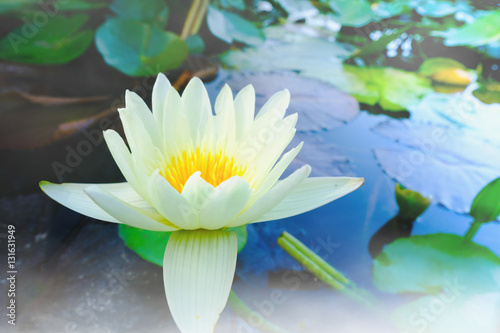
[198, 271]
[138, 137]
[279, 138]
[197, 191]
[170, 203]
[143, 115]
[197, 108]
[126, 213]
[74, 197]
[272, 198]
[225, 119]
[160, 89]
[225, 203]
[244, 110]
[310, 194]
[276, 106]
[276, 172]
[122, 158]
[266, 139]
[175, 126]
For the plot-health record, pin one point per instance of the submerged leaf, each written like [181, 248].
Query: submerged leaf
[488, 92]
[29, 122]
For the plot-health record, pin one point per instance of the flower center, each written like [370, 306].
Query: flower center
[214, 167]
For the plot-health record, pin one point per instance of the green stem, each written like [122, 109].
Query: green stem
[191, 17]
[242, 310]
[473, 229]
[198, 21]
[195, 17]
[323, 271]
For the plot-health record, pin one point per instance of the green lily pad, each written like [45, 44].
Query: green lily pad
[59, 41]
[486, 204]
[482, 31]
[25, 6]
[459, 281]
[448, 156]
[231, 27]
[356, 13]
[440, 8]
[150, 245]
[426, 264]
[393, 89]
[139, 49]
[432, 66]
[447, 71]
[195, 44]
[155, 12]
[320, 59]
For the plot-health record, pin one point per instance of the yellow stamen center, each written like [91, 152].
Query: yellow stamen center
[214, 167]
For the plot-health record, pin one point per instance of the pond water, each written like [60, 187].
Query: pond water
[77, 275]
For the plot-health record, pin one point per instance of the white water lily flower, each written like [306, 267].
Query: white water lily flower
[198, 173]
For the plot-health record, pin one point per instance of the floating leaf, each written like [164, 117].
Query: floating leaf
[290, 50]
[139, 49]
[486, 204]
[150, 245]
[195, 44]
[59, 41]
[482, 31]
[49, 7]
[321, 59]
[319, 105]
[230, 27]
[460, 277]
[436, 260]
[355, 13]
[450, 158]
[236, 4]
[439, 8]
[446, 71]
[323, 156]
[393, 89]
[460, 111]
[155, 12]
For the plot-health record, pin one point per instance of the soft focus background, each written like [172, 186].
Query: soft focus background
[403, 93]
